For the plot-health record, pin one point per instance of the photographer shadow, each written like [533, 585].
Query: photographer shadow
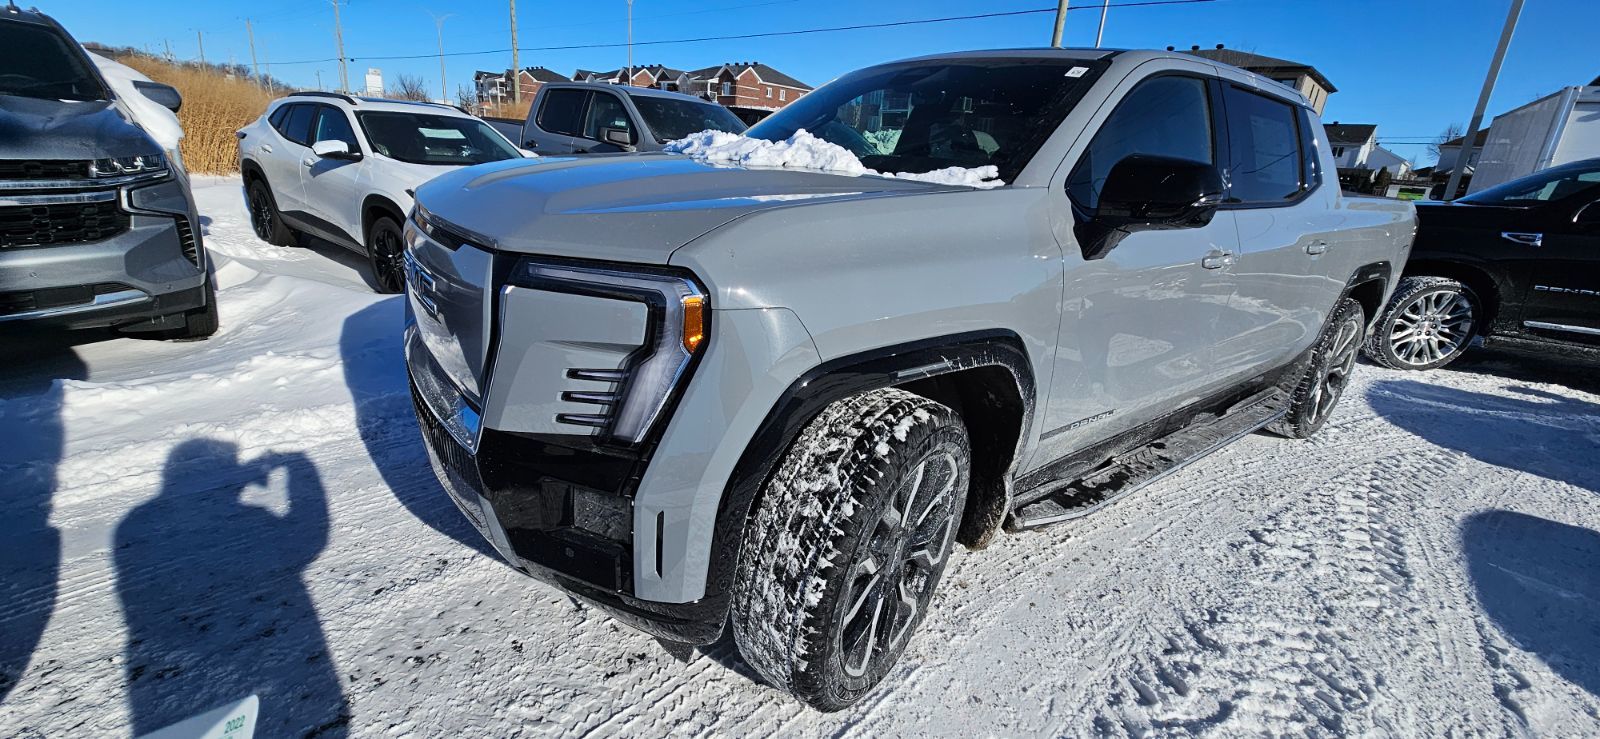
[214, 595]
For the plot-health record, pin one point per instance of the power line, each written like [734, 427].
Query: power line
[765, 34]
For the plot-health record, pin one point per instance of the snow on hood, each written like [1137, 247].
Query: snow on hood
[156, 120]
[805, 151]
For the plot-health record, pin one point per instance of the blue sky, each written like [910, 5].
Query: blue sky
[1410, 66]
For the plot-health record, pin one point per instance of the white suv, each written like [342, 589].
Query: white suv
[343, 168]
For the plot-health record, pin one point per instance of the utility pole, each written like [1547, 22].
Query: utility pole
[630, 42]
[168, 45]
[200, 39]
[338, 39]
[516, 68]
[319, 79]
[1061, 22]
[1483, 101]
[255, 68]
[1101, 35]
[438, 28]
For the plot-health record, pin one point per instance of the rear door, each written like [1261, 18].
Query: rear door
[1138, 324]
[281, 158]
[1292, 266]
[555, 121]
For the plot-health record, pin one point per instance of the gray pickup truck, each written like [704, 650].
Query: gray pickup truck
[701, 394]
[597, 118]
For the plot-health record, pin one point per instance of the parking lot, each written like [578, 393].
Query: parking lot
[254, 514]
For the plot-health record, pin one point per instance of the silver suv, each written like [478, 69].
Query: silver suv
[701, 394]
[97, 226]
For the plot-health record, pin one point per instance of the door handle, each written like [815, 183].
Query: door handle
[264, 148]
[1218, 261]
[308, 162]
[1316, 248]
[1524, 239]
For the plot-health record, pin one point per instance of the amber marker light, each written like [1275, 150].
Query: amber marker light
[694, 322]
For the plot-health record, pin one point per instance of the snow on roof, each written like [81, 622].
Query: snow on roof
[805, 151]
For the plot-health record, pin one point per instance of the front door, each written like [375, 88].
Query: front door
[1138, 324]
[555, 122]
[330, 184]
[1563, 299]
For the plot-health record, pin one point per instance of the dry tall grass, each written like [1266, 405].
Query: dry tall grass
[508, 109]
[214, 106]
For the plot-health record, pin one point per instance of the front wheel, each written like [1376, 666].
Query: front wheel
[848, 543]
[1333, 359]
[1429, 322]
[386, 252]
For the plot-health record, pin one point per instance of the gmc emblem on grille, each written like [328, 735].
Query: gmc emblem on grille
[422, 284]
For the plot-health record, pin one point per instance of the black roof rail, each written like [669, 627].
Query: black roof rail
[318, 94]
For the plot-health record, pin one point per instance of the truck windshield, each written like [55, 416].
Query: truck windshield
[38, 62]
[923, 116]
[671, 119]
[420, 138]
[1556, 183]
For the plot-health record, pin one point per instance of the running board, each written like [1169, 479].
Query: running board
[1064, 500]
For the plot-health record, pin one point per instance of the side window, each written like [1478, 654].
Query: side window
[605, 111]
[1311, 164]
[1264, 149]
[561, 110]
[333, 125]
[1163, 116]
[278, 115]
[297, 126]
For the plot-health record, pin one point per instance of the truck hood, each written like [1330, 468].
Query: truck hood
[627, 208]
[34, 128]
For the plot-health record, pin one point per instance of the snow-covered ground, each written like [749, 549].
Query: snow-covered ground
[183, 525]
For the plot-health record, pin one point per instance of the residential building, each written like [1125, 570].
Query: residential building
[1303, 77]
[752, 90]
[1449, 154]
[495, 87]
[1360, 160]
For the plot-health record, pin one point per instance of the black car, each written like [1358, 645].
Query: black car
[1518, 263]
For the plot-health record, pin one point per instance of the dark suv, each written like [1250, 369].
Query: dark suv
[1516, 264]
[97, 225]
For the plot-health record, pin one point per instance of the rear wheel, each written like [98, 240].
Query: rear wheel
[386, 252]
[848, 543]
[1428, 324]
[264, 217]
[1332, 361]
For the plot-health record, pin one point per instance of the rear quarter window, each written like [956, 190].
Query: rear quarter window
[561, 111]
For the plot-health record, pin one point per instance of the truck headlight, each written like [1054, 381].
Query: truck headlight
[678, 316]
[144, 164]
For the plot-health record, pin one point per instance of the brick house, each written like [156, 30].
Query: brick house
[495, 87]
[752, 90]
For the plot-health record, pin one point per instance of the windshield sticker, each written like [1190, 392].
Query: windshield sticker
[442, 133]
[1077, 71]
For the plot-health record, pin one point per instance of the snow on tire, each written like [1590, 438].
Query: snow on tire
[1427, 324]
[847, 544]
[1332, 361]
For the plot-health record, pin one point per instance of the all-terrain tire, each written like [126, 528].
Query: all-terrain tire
[1333, 359]
[1411, 301]
[265, 219]
[847, 544]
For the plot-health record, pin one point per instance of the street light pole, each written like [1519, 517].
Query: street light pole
[1483, 101]
[438, 28]
[1101, 34]
[1061, 22]
[630, 42]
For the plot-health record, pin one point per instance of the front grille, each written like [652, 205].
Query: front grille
[44, 169]
[186, 238]
[60, 224]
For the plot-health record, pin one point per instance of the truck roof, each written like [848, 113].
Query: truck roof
[650, 92]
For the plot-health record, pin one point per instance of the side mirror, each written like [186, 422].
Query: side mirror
[617, 137]
[165, 96]
[1145, 193]
[334, 150]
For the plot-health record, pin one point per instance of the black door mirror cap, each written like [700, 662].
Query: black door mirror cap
[1145, 192]
[617, 137]
[1588, 215]
[165, 96]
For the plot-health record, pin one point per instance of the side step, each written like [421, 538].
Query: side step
[1067, 499]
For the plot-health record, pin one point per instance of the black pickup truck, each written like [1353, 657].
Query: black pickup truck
[1518, 263]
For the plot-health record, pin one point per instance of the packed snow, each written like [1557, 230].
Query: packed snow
[187, 524]
[156, 120]
[806, 151]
